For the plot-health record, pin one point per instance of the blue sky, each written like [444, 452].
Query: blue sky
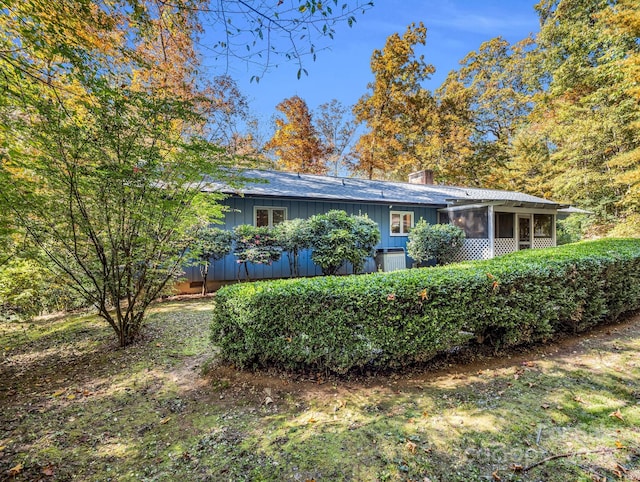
[454, 28]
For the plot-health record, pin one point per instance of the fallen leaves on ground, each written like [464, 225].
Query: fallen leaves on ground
[15, 470]
[411, 447]
[617, 414]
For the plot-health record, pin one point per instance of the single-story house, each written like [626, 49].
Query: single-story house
[495, 222]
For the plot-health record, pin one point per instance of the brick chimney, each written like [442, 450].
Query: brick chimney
[421, 177]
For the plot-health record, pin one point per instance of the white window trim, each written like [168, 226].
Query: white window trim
[270, 209]
[401, 213]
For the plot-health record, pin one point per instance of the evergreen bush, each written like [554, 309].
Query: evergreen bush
[387, 320]
[442, 242]
[257, 245]
[338, 238]
[294, 236]
[211, 245]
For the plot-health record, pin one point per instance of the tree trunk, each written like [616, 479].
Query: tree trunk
[204, 285]
[246, 270]
[204, 272]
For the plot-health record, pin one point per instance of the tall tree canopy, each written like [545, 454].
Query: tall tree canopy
[499, 83]
[587, 114]
[295, 142]
[448, 148]
[395, 109]
[624, 21]
[556, 115]
[336, 128]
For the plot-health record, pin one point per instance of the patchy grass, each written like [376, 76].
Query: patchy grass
[74, 406]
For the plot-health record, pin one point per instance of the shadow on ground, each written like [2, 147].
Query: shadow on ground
[72, 406]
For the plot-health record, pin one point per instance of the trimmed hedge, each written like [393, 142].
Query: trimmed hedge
[390, 320]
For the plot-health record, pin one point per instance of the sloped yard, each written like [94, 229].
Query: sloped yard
[72, 406]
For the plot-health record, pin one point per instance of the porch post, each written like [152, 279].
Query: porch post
[491, 231]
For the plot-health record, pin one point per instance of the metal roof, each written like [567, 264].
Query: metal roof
[309, 186]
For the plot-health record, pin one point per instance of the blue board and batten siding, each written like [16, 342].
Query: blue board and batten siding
[241, 211]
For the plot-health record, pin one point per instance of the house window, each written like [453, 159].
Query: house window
[504, 225]
[543, 225]
[268, 216]
[401, 222]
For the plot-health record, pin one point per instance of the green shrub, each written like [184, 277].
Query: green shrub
[442, 242]
[294, 235]
[211, 244]
[28, 289]
[338, 238]
[397, 319]
[258, 245]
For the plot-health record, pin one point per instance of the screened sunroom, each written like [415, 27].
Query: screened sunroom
[494, 229]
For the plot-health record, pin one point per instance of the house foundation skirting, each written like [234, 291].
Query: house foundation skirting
[474, 249]
[504, 246]
[539, 243]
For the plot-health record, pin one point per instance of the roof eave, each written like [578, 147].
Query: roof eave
[433, 204]
[507, 203]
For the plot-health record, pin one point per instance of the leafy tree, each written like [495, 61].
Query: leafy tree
[296, 142]
[27, 290]
[338, 237]
[530, 167]
[260, 32]
[232, 125]
[104, 138]
[556, 115]
[106, 153]
[570, 230]
[258, 245]
[229, 112]
[336, 129]
[624, 21]
[448, 148]
[396, 109]
[500, 82]
[113, 201]
[294, 236]
[442, 242]
[586, 114]
[211, 245]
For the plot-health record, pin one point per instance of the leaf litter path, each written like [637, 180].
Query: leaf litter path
[74, 407]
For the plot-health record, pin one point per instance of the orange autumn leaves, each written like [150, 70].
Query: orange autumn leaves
[296, 142]
[423, 295]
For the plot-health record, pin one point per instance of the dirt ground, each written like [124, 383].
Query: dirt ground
[73, 406]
